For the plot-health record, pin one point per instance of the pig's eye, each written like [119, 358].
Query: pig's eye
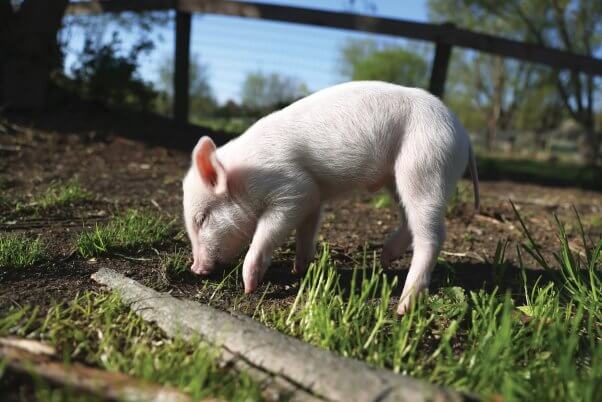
[201, 219]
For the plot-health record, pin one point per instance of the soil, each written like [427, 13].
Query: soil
[109, 157]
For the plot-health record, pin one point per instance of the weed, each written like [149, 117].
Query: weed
[458, 198]
[18, 251]
[133, 229]
[176, 265]
[96, 328]
[382, 200]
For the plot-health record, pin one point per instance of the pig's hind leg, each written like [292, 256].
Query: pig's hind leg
[423, 195]
[306, 241]
[397, 242]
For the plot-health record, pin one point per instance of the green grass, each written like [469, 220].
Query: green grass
[542, 172]
[543, 344]
[134, 229]
[382, 200]
[56, 196]
[97, 329]
[18, 251]
[176, 265]
[232, 126]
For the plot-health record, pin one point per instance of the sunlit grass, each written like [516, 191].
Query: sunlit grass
[18, 251]
[541, 345]
[97, 329]
[135, 229]
[57, 195]
[176, 265]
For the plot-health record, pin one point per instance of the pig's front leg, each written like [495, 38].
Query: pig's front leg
[272, 228]
[306, 241]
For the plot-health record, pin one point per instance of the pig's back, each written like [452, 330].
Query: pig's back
[347, 135]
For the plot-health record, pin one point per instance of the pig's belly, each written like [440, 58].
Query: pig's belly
[342, 185]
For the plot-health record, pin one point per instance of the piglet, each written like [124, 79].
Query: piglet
[277, 176]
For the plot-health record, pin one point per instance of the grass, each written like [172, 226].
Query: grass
[134, 229]
[58, 195]
[18, 251]
[542, 344]
[542, 172]
[176, 265]
[97, 329]
[382, 200]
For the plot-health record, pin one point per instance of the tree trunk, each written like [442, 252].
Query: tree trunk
[30, 49]
[589, 146]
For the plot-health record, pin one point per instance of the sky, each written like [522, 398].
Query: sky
[232, 47]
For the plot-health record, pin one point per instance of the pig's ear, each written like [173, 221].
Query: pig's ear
[210, 169]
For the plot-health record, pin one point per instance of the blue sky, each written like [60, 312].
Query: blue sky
[232, 47]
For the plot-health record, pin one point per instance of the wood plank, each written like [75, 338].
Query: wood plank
[182, 67]
[119, 6]
[438, 33]
[439, 69]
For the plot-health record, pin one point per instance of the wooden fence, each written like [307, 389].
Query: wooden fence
[444, 36]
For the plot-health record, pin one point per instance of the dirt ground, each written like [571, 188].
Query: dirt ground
[123, 172]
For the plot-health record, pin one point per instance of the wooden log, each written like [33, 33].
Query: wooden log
[318, 371]
[26, 358]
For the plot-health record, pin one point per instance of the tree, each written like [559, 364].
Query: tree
[495, 86]
[28, 50]
[366, 60]
[105, 74]
[271, 91]
[572, 25]
[202, 100]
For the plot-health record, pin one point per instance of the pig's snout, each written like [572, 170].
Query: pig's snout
[201, 267]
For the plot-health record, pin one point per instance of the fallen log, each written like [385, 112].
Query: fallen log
[38, 360]
[318, 372]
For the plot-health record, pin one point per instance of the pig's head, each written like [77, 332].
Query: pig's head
[218, 225]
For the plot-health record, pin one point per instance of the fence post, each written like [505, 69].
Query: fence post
[439, 70]
[182, 67]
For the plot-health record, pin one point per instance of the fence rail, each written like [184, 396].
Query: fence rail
[445, 36]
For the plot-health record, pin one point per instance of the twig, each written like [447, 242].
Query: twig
[467, 254]
[156, 204]
[132, 258]
[107, 385]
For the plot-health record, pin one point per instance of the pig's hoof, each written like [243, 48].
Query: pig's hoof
[299, 268]
[250, 287]
[405, 303]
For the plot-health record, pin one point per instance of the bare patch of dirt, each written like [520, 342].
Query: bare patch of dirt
[126, 173]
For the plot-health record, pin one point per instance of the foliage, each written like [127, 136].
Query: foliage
[265, 92]
[98, 329]
[572, 25]
[105, 74]
[533, 171]
[202, 100]
[366, 60]
[17, 251]
[133, 229]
